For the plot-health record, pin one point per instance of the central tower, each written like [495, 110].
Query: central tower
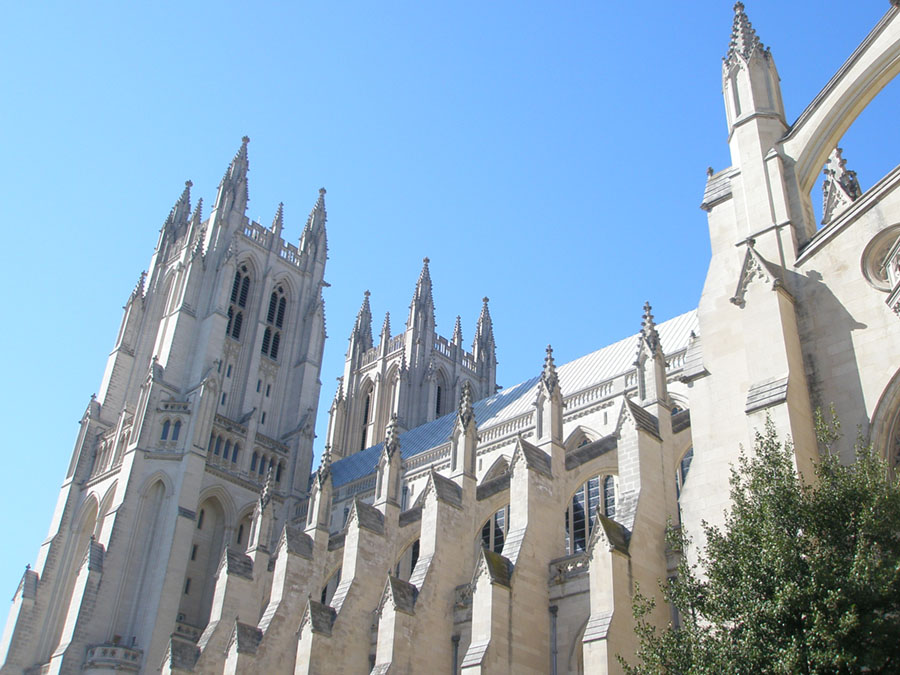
[209, 394]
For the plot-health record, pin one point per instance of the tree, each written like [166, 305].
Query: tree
[801, 578]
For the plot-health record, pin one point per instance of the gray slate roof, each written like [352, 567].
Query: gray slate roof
[574, 376]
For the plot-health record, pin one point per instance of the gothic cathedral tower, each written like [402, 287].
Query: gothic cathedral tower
[416, 375]
[209, 397]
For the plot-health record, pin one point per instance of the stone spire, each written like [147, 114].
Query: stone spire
[278, 220]
[181, 211]
[138, 291]
[233, 190]
[362, 329]
[421, 309]
[840, 187]
[324, 469]
[392, 436]
[457, 332]
[549, 377]
[466, 413]
[265, 495]
[386, 328]
[649, 336]
[484, 331]
[744, 40]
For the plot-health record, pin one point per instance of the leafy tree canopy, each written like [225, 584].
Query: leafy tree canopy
[801, 578]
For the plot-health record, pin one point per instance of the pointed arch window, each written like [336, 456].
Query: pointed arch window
[596, 494]
[176, 430]
[493, 532]
[275, 322]
[165, 431]
[240, 296]
[366, 417]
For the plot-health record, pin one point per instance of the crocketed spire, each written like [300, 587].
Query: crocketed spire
[649, 336]
[423, 294]
[313, 239]
[744, 40]
[549, 377]
[840, 187]
[233, 190]
[466, 413]
[392, 436]
[484, 331]
[278, 220]
[265, 495]
[457, 332]
[181, 211]
[324, 469]
[362, 329]
[386, 327]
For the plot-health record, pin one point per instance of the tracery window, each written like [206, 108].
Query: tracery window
[274, 323]
[240, 295]
[493, 532]
[597, 493]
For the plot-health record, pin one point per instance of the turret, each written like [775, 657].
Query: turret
[750, 82]
[483, 348]
[651, 366]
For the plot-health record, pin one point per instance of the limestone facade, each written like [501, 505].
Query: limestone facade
[451, 526]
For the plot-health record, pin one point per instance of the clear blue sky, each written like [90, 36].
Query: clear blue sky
[549, 155]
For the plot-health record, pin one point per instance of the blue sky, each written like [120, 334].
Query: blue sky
[551, 156]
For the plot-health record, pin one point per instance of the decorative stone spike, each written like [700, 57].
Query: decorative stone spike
[484, 331]
[392, 436]
[840, 187]
[744, 40]
[265, 495]
[466, 414]
[278, 220]
[648, 328]
[457, 332]
[324, 465]
[549, 377]
[386, 326]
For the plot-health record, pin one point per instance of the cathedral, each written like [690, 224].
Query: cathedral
[453, 526]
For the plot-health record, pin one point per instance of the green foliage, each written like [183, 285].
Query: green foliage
[801, 578]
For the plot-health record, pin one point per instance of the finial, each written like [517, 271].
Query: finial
[744, 41]
[324, 464]
[648, 329]
[322, 191]
[466, 413]
[27, 566]
[245, 140]
[391, 436]
[386, 326]
[265, 495]
[278, 221]
[485, 300]
[549, 377]
[709, 171]
[426, 260]
[188, 184]
[366, 293]
[840, 187]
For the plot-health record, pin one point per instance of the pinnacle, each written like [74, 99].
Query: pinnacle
[466, 410]
[392, 436]
[648, 329]
[549, 376]
[266, 494]
[386, 326]
[744, 40]
[457, 331]
[278, 221]
[324, 464]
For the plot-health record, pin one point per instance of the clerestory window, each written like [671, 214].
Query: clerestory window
[596, 494]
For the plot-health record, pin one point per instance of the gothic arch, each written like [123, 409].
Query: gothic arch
[160, 476]
[819, 128]
[498, 468]
[443, 394]
[885, 423]
[224, 499]
[578, 436]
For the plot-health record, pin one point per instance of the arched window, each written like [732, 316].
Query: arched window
[218, 448]
[212, 443]
[275, 321]
[493, 532]
[234, 455]
[165, 431]
[366, 418]
[437, 401]
[200, 519]
[407, 562]
[240, 294]
[227, 450]
[253, 460]
[278, 472]
[580, 515]
[176, 429]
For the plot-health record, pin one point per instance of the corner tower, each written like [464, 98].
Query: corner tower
[212, 385]
[416, 374]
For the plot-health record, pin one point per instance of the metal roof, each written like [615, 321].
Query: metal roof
[574, 376]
